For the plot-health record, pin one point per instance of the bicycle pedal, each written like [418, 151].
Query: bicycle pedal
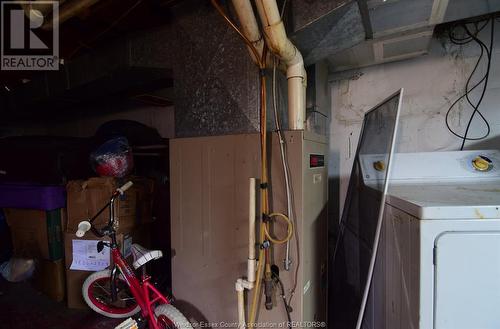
[128, 324]
[141, 323]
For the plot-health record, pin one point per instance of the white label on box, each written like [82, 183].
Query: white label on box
[86, 257]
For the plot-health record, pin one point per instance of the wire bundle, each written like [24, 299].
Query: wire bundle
[472, 36]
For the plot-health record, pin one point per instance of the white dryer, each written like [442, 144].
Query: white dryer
[438, 265]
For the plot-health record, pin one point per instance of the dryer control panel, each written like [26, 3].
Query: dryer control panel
[433, 166]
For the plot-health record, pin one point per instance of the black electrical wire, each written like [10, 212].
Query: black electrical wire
[461, 41]
[473, 37]
[468, 38]
[468, 100]
[487, 75]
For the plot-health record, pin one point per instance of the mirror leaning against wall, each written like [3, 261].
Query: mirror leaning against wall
[355, 252]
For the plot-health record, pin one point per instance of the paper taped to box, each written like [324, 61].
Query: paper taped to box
[86, 257]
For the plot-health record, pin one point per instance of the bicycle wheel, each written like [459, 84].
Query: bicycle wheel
[96, 292]
[168, 317]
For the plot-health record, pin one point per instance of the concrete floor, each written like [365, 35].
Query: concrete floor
[22, 307]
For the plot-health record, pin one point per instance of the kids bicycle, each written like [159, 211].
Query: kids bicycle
[119, 293]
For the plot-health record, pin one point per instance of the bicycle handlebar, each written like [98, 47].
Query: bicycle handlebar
[124, 187]
[83, 228]
[86, 225]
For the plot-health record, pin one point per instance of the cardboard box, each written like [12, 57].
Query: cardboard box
[86, 198]
[74, 283]
[75, 278]
[49, 278]
[35, 233]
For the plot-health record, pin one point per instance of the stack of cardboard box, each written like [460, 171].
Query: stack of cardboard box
[84, 200]
[36, 234]
[42, 229]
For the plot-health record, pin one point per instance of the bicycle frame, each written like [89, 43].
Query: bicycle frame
[143, 290]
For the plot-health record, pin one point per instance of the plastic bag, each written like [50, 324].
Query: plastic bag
[113, 158]
[17, 269]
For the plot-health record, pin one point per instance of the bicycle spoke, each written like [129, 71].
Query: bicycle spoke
[102, 293]
[105, 290]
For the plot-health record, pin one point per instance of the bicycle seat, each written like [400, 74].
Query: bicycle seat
[143, 255]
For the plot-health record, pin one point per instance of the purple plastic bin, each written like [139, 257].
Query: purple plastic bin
[32, 197]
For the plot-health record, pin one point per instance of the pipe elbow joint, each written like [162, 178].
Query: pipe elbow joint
[239, 285]
[296, 69]
[248, 285]
[242, 284]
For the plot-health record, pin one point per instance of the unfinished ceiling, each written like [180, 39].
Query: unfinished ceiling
[157, 43]
[90, 24]
[348, 33]
[351, 34]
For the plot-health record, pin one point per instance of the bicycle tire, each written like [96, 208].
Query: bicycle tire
[174, 315]
[98, 281]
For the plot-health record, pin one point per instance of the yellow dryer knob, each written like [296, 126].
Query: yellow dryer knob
[379, 165]
[481, 163]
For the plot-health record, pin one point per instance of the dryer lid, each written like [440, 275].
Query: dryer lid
[479, 200]
[441, 185]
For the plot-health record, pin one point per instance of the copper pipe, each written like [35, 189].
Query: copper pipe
[68, 10]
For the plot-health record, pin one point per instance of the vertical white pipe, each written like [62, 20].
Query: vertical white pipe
[251, 231]
[279, 44]
[241, 304]
[242, 284]
[296, 103]
[241, 310]
[251, 219]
